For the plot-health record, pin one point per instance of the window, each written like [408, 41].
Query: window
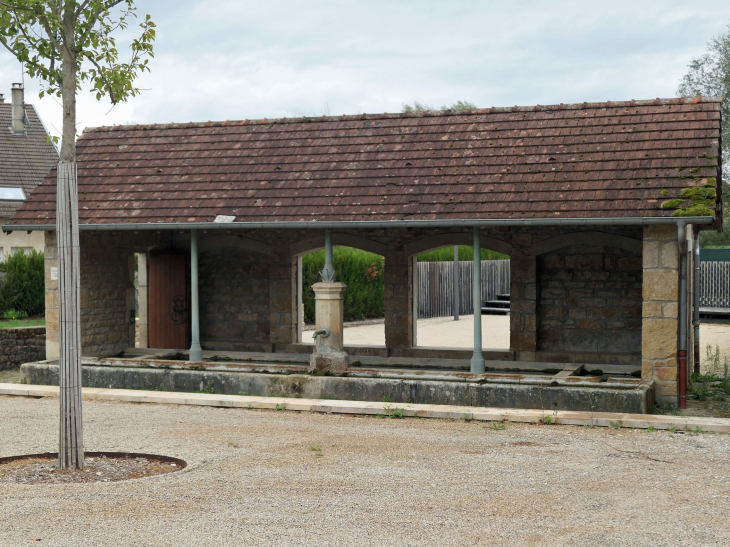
[12, 193]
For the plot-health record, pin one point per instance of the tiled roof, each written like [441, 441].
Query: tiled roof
[568, 161]
[24, 159]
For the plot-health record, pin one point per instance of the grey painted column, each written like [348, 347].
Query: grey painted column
[196, 352]
[300, 299]
[457, 281]
[477, 360]
[328, 273]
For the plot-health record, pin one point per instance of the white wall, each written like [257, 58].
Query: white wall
[17, 239]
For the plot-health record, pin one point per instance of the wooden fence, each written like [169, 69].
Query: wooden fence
[435, 286]
[715, 284]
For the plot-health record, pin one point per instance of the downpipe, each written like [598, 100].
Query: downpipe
[682, 315]
[696, 298]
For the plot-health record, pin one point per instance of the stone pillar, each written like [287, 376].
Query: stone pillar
[329, 351]
[143, 300]
[282, 300]
[660, 309]
[51, 279]
[523, 299]
[398, 302]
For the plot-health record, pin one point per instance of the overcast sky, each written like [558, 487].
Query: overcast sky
[230, 59]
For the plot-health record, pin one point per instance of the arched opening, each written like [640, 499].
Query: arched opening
[444, 298]
[364, 274]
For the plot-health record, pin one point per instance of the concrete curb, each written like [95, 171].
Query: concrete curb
[600, 419]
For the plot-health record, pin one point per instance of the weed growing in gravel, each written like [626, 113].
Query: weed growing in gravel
[281, 406]
[466, 417]
[616, 425]
[398, 413]
[695, 431]
[672, 430]
[497, 426]
[651, 429]
[547, 419]
[317, 449]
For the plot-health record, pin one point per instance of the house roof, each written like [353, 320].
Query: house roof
[591, 160]
[24, 159]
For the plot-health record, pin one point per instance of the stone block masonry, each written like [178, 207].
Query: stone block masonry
[590, 301]
[234, 296]
[659, 311]
[21, 345]
[106, 287]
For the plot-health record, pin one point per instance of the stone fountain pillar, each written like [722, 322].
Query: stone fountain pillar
[329, 354]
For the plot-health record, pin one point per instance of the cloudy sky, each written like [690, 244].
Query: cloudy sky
[229, 59]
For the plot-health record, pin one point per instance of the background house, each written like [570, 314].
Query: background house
[26, 156]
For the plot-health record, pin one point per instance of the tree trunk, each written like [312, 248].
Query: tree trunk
[71, 437]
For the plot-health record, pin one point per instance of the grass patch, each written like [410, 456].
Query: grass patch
[14, 323]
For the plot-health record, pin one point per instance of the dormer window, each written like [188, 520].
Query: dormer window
[12, 193]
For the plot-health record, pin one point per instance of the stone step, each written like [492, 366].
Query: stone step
[495, 311]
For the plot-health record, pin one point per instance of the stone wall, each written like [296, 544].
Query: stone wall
[107, 295]
[660, 310]
[234, 299]
[21, 345]
[589, 301]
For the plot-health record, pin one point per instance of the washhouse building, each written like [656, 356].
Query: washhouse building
[598, 206]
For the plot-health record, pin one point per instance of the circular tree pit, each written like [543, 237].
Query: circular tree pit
[99, 467]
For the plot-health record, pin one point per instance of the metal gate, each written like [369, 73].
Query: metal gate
[169, 303]
[715, 284]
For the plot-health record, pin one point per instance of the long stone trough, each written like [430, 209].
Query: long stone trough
[549, 389]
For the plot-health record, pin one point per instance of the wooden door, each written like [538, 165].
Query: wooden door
[169, 304]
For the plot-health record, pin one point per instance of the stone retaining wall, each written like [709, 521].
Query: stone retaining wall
[21, 345]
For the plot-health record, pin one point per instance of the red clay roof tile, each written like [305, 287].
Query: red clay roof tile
[588, 160]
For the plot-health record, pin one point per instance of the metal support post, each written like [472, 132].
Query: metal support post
[196, 352]
[477, 360]
[328, 273]
[457, 281]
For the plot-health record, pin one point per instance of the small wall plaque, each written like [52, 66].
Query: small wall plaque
[54, 274]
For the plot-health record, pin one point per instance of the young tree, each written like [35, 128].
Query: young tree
[65, 43]
[709, 75]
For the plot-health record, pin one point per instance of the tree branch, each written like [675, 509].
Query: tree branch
[100, 71]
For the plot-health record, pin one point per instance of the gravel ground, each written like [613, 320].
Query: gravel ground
[253, 479]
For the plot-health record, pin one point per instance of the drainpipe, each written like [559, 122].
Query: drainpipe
[328, 273]
[696, 311]
[457, 281]
[477, 360]
[196, 352]
[682, 314]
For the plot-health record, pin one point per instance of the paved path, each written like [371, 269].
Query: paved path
[445, 332]
[254, 479]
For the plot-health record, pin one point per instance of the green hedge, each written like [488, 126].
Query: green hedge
[466, 253]
[24, 286]
[361, 271]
